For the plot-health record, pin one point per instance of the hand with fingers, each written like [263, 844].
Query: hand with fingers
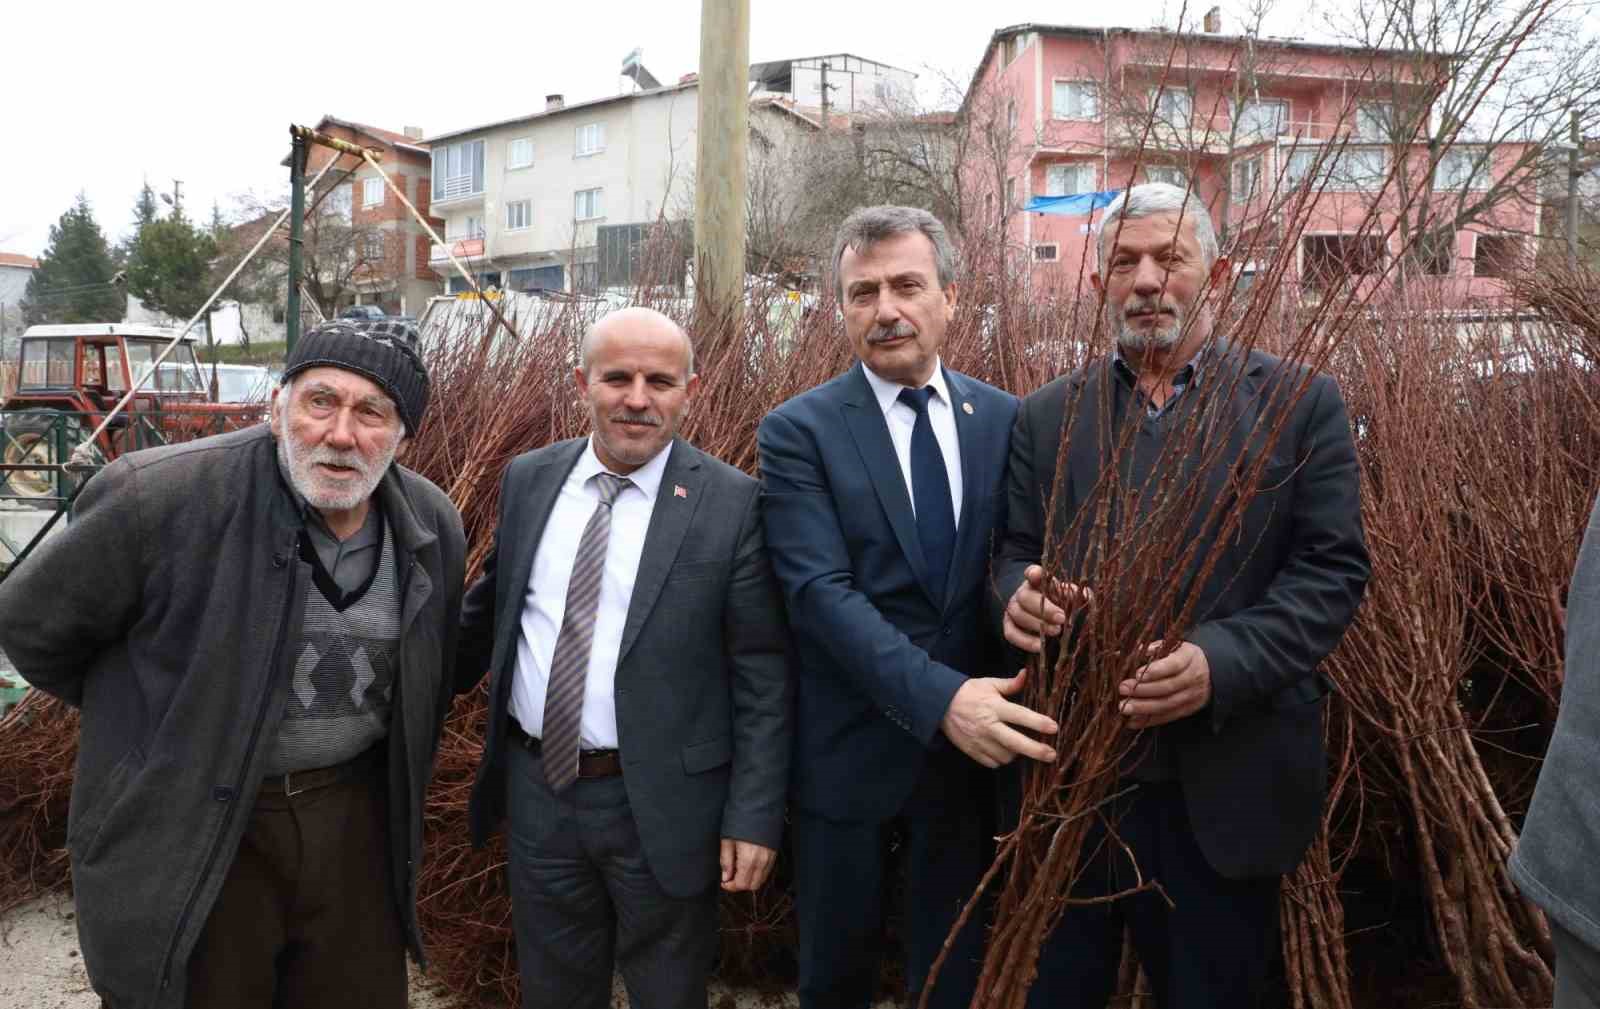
[984, 725]
[745, 864]
[1034, 613]
[1170, 687]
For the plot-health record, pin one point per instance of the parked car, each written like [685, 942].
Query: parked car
[363, 312]
[240, 383]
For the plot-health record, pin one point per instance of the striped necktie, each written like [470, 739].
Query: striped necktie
[569, 667]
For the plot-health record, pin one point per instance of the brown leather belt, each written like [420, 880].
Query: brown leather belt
[591, 763]
[295, 782]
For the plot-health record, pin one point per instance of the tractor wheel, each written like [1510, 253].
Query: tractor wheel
[33, 437]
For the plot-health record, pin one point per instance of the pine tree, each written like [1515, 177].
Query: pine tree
[74, 280]
[169, 266]
[145, 211]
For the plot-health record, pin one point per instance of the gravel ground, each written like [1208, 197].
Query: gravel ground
[40, 968]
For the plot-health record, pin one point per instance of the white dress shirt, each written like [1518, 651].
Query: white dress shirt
[546, 601]
[902, 418]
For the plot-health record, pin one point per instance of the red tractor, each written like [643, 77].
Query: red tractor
[71, 376]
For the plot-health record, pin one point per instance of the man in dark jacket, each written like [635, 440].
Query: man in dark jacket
[1551, 863]
[258, 629]
[1225, 790]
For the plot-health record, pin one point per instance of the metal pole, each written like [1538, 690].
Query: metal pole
[721, 175]
[297, 227]
[1574, 173]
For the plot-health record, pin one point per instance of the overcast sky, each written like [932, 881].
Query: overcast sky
[100, 95]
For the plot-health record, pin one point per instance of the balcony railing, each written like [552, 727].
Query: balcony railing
[470, 247]
[454, 188]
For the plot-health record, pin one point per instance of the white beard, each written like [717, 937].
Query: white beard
[340, 497]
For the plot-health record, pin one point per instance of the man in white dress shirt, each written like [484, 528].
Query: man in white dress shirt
[883, 489]
[639, 730]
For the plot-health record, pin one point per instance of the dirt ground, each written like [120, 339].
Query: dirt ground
[40, 968]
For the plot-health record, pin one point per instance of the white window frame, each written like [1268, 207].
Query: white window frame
[1247, 118]
[373, 238]
[1157, 94]
[371, 193]
[519, 215]
[1354, 176]
[453, 163]
[1448, 174]
[588, 140]
[594, 204]
[1252, 173]
[1062, 93]
[340, 203]
[525, 145]
[459, 228]
[1053, 256]
[1083, 171]
[1369, 127]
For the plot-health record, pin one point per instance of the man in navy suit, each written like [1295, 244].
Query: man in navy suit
[882, 490]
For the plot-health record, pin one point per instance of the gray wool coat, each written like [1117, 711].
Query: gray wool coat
[1554, 860]
[160, 613]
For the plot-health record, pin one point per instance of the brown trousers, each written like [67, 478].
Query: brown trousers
[307, 918]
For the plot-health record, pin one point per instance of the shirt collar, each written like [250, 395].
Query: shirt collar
[888, 393]
[647, 477]
[1184, 376]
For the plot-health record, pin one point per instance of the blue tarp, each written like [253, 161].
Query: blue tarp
[1079, 205]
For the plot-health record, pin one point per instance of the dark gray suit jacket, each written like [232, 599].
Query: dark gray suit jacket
[1282, 591]
[1553, 861]
[703, 691]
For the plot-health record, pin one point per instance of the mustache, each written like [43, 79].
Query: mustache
[1141, 306]
[625, 417]
[337, 457]
[883, 334]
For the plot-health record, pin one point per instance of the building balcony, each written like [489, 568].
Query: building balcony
[458, 191]
[461, 248]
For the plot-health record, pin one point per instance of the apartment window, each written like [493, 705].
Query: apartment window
[1015, 45]
[1069, 179]
[1375, 121]
[1011, 193]
[1325, 260]
[463, 226]
[585, 276]
[1171, 175]
[371, 192]
[458, 170]
[1246, 179]
[1362, 168]
[1496, 255]
[519, 214]
[1173, 107]
[373, 242]
[591, 139]
[340, 203]
[1076, 100]
[1436, 252]
[519, 153]
[1011, 115]
[586, 205]
[1261, 120]
[1046, 253]
[1462, 169]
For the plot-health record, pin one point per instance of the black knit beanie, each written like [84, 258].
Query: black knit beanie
[383, 350]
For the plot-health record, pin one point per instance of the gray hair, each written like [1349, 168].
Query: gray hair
[869, 225]
[1160, 198]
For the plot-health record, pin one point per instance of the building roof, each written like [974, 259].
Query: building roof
[389, 137]
[593, 103]
[16, 259]
[106, 329]
[1088, 32]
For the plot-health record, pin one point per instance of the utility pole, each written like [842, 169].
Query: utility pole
[1574, 172]
[297, 227]
[824, 98]
[177, 196]
[722, 169]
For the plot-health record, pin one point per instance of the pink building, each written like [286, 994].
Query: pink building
[1273, 136]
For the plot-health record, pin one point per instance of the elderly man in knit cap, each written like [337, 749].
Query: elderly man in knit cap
[258, 630]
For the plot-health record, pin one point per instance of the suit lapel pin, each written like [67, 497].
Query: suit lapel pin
[678, 490]
[968, 408]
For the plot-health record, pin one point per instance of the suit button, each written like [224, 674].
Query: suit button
[947, 632]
